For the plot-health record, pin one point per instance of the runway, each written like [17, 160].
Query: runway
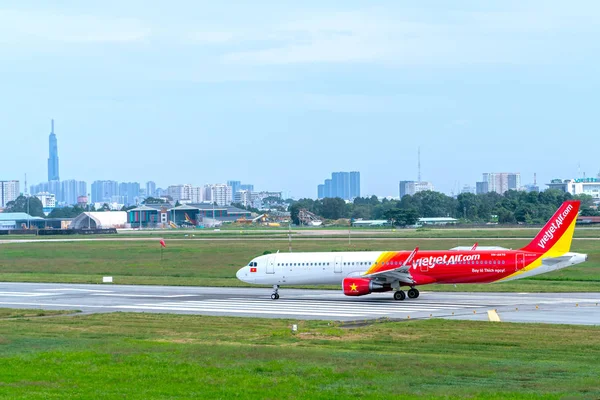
[559, 308]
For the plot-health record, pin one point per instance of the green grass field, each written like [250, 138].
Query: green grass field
[141, 356]
[214, 262]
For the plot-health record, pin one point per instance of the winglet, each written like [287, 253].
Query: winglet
[410, 257]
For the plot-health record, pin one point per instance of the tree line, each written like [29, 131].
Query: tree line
[510, 208]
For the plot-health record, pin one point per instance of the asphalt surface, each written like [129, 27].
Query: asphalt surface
[558, 308]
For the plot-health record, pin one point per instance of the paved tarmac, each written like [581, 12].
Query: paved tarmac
[558, 308]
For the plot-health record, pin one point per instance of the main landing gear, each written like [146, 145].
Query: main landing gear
[413, 293]
[275, 295]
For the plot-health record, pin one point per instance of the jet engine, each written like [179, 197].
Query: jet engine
[362, 286]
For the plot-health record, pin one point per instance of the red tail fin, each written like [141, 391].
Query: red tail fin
[557, 234]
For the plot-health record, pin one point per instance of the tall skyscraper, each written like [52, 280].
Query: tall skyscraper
[70, 190]
[345, 185]
[235, 186]
[248, 186]
[219, 194]
[500, 182]
[129, 192]
[150, 189]
[354, 184]
[104, 191]
[53, 158]
[9, 191]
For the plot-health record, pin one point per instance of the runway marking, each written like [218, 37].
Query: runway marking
[27, 294]
[252, 311]
[144, 295]
[76, 290]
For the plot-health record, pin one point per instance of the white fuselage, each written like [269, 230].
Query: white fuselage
[325, 268]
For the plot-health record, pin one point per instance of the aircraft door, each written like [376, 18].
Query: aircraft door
[270, 265]
[520, 261]
[337, 265]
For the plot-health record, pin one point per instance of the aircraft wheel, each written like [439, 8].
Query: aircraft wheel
[413, 293]
[274, 296]
[399, 295]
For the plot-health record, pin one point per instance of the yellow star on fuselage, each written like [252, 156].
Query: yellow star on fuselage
[353, 287]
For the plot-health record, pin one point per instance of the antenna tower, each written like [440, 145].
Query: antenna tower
[419, 164]
[26, 192]
[534, 179]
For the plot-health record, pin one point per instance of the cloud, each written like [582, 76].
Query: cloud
[20, 27]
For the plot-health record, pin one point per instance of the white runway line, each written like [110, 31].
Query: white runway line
[28, 294]
[144, 295]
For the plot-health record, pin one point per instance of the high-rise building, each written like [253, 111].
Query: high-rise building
[180, 193]
[354, 185]
[104, 191]
[9, 191]
[412, 187]
[345, 185]
[481, 187]
[248, 186]
[501, 182]
[235, 186]
[243, 197]
[70, 190]
[53, 156]
[197, 195]
[219, 194]
[327, 190]
[129, 192]
[150, 189]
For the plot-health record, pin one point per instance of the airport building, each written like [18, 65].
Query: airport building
[589, 186]
[48, 200]
[165, 215]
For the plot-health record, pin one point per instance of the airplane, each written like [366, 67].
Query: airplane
[364, 272]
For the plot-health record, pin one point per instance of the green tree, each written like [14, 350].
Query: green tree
[153, 200]
[333, 208]
[31, 205]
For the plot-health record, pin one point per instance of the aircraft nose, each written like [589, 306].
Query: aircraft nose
[242, 274]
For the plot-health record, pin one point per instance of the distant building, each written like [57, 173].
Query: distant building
[501, 182]
[220, 194]
[235, 186]
[413, 187]
[129, 193]
[180, 193]
[82, 201]
[481, 187]
[197, 195]
[9, 191]
[345, 185]
[327, 190]
[468, 189]
[150, 189]
[100, 220]
[248, 186]
[53, 156]
[589, 186]
[243, 197]
[70, 190]
[48, 200]
[104, 191]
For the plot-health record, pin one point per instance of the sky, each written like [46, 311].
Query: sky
[280, 93]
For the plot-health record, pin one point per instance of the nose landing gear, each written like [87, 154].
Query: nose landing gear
[275, 295]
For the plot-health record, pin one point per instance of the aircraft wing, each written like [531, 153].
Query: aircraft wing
[401, 273]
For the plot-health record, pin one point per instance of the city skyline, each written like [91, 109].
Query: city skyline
[279, 93]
